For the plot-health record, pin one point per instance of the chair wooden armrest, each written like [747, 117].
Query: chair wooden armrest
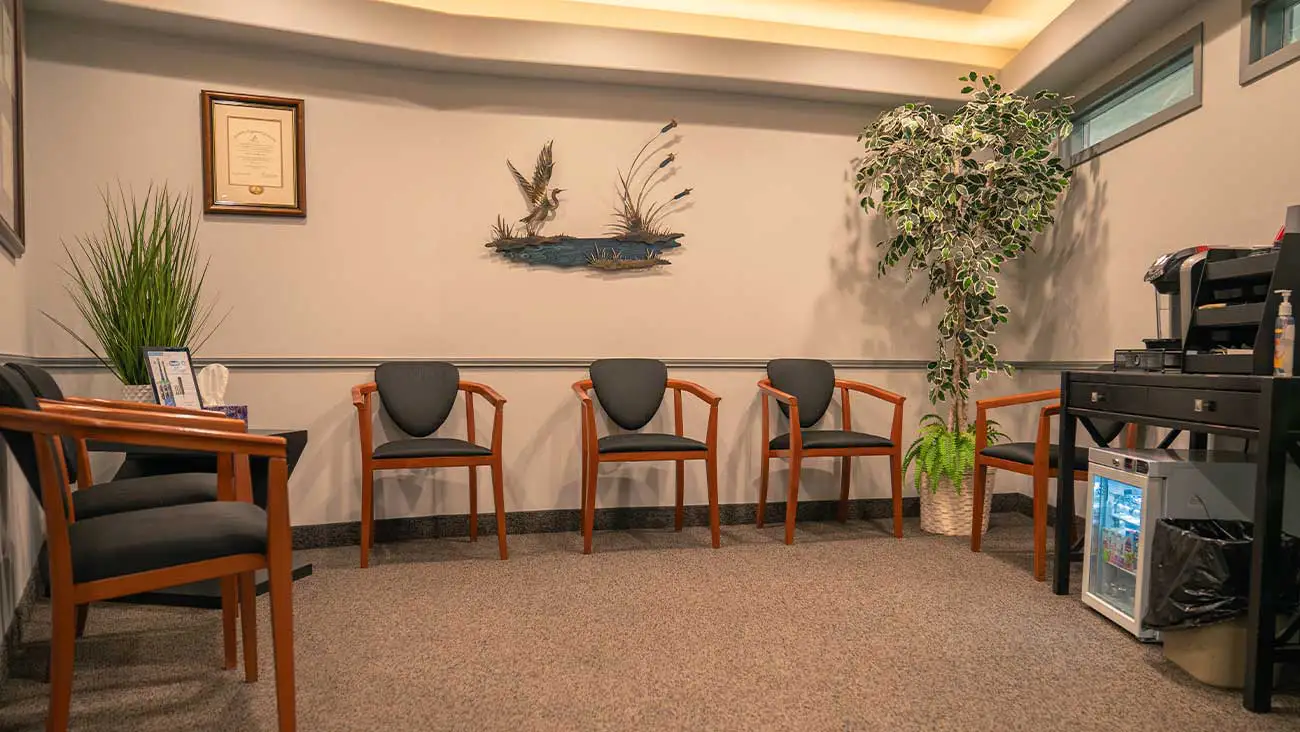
[695, 389]
[765, 385]
[136, 406]
[177, 418]
[984, 405]
[871, 390]
[484, 391]
[896, 424]
[1014, 399]
[581, 388]
[361, 394]
[150, 435]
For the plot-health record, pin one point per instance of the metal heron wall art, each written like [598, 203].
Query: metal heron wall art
[637, 237]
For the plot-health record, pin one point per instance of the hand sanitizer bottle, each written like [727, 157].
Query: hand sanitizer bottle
[1284, 337]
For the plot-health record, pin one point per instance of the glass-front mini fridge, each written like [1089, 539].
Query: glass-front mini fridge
[1129, 491]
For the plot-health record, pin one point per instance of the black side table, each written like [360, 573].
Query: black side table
[142, 461]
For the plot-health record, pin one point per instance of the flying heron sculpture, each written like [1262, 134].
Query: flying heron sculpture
[542, 200]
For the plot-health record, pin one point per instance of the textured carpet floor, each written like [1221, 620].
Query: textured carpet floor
[848, 629]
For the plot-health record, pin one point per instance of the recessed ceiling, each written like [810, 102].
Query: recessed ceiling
[982, 32]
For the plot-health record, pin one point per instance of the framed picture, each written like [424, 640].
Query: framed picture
[253, 156]
[172, 377]
[11, 127]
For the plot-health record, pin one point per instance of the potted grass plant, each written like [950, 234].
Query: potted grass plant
[138, 282]
[965, 193]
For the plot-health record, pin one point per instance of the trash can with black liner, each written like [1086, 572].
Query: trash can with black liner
[1200, 588]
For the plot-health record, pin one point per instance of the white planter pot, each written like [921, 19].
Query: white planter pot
[142, 393]
[945, 511]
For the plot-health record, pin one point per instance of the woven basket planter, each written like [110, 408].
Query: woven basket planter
[945, 511]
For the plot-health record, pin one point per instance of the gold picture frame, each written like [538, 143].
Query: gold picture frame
[254, 160]
[12, 235]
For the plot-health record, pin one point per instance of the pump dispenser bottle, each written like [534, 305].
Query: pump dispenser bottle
[1284, 337]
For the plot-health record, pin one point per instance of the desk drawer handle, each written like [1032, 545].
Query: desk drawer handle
[1096, 397]
[1203, 405]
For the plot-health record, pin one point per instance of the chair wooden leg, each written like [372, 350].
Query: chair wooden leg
[367, 515]
[248, 619]
[589, 504]
[82, 612]
[499, 502]
[63, 643]
[762, 488]
[792, 500]
[715, 520]
[473, 503]
[229, 609]
[977, 510]
[896, 486]
[846, 470]
[679, 514]
[280, 571]
[1040, 524]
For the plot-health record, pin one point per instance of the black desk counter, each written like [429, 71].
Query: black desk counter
[1263, 409]
[146, 460]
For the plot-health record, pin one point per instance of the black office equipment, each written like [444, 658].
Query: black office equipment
[1234, 304]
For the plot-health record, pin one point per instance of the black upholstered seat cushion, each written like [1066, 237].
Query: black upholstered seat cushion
[135, 494]
[429, 447]
[648, 442]
[826, 439]
[140, 541]
[1023, 452]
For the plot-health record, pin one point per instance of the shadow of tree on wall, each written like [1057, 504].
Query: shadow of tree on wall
[1053, 292]
[891, 318]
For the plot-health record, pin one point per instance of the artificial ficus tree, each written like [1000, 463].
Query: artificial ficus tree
[966, 193]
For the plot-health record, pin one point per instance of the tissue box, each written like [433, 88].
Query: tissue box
[234, 411]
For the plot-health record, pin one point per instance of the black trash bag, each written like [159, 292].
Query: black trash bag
[1200, 572]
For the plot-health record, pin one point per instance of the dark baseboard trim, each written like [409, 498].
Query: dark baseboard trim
[22, 611]
[348, 533]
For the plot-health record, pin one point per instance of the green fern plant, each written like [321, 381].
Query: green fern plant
[938, 452]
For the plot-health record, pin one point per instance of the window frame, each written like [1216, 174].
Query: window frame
[1192, 40]
[1252, 68]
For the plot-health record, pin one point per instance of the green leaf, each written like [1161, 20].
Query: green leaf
[967, 89]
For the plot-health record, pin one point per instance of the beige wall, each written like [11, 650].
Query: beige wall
[406, 174]
[20, 518]
[1221, 175]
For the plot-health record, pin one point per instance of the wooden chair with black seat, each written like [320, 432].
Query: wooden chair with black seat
[630, 392]
[131, 494]
[128, 553]
[1037, 459]
[418, 396]
[804, 388]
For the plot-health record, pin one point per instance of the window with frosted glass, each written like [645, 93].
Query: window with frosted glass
[1278, 26]
[1138, 101]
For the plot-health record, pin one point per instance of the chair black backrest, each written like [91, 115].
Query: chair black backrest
[45, 387]
[630, 390]
[809, 380]
[16, 394]
[418, 395]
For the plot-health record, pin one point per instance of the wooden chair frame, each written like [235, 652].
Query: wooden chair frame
[796, 452]
[138, 413]
[362, 396]
[1040, 470]
[592, 457]
[233, 450]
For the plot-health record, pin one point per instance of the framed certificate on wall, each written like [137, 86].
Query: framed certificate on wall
[172, 375]
[11, 127]
[253, 155]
